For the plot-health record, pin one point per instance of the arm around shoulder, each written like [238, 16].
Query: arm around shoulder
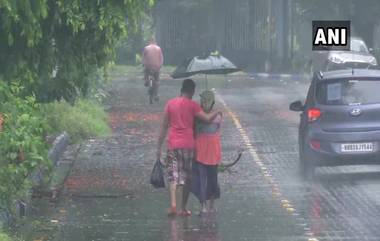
[207, 117]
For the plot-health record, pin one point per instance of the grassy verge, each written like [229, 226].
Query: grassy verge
[85, 119]
[123, 69]
[6, 237]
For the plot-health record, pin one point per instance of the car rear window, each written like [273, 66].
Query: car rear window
[349, 92]
[358, 46]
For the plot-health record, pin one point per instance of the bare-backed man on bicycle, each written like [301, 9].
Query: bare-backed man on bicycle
[152, 60]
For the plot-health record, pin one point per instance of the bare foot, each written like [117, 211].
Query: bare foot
[202, 212]
[213, 210]
[172, 211]
[211, 206]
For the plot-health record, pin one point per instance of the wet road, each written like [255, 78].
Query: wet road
[341, 204]
[107, 195]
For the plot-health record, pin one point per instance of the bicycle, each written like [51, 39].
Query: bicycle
[152, 89]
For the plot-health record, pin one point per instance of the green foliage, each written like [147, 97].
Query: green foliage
[82, 120]
[53, 46]
[4, 237]
[130, 47]
[134, 71]
[22, 145]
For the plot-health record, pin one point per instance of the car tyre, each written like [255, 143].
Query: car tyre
[306, 164]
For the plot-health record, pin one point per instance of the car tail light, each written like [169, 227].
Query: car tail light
[313, 114]
[315, 144]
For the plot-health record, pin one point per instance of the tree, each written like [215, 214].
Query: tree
[362, 14]
[129, 48]
[54, 47]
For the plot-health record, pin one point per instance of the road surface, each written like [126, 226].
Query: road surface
[107, 195]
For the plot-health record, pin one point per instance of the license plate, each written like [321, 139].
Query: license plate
[357, 147]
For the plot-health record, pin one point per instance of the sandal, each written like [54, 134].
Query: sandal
[185, 213]
[172, 212]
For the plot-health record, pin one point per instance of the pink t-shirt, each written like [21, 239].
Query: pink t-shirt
[181, 112]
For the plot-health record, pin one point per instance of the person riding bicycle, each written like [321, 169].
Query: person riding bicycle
[152, 60]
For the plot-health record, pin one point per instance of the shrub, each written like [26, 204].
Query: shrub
[4, 237]
[82, 120]
[22, 145]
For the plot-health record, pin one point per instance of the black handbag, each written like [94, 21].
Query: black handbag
[157, 177]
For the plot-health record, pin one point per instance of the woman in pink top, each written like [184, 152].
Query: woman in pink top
[179, 116]
[208, 156]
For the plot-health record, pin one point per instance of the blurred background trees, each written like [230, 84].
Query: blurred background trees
[59, 49]
[259, 35]
[55, 48]
[130, 47]
[54, 51]
[364, 15]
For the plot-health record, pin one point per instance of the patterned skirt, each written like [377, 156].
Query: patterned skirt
[178, 166]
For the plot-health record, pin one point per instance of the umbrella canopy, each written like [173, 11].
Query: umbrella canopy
[213, 64]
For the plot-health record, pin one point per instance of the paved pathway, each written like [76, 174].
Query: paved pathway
[107, 195]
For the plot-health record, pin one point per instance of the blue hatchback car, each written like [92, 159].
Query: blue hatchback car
[340, 120]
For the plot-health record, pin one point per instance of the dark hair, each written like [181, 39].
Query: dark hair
[188, 86]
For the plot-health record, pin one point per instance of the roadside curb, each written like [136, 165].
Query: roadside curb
[61, 169]
[58, 147]
[63, 157]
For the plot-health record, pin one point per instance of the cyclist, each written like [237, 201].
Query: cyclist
[152, 61]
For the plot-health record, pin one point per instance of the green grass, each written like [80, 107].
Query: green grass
[5, 237]
[124, 69]
[83, 120]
